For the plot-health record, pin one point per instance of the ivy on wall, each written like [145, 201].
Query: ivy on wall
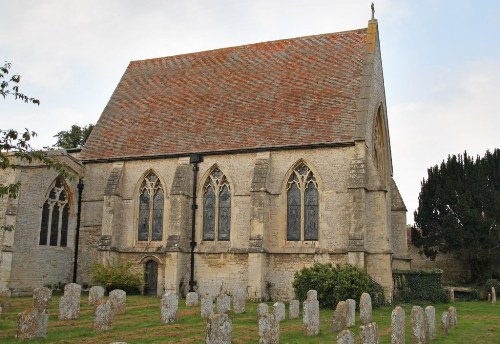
[419, 285]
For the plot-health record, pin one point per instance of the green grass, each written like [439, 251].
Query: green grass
[478, 322]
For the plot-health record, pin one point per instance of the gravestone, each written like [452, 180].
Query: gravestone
[269, 329]
[41, 299]
[351, 313]
[417, 325]
[365, 309]
[339, 321]
[192, 299]
[452, 317]
[103, 315]
[32, 324]
[294, 309]
[219, 329]
[493, 296]
[223, 303]
[168, 307]
[262, 309]
[239, 298]
[430, 323]
[310, 316]
[69, 304]
[96, 293]
[445, 323]
[207, 306]
[118, 300]
[369, 333]
[398, 326]
[345, 337]
[279, 311]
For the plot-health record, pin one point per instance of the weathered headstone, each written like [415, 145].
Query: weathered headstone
[32, 324]
[279, 311]
[223, 303]
[269, 329]
[41, 299]
[262, 309]
[369, 333]
[452, 317]
[69, 304]
[294, 309]
[168, 307]
[310, 317]
[489, 297]
[345, 337]
[239, 299]
[430, 323]
[365, 309]
[96, 293]
[417, 325]
[192, 299]
[339, 321]
[351, 312]
[493, 296]
[103, 316]
[398, 326]
[219, 329]
[451, 294]
[118, 300]
[445, 323]
[207, 306]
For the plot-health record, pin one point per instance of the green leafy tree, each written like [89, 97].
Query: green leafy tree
[73, 138]
[10, 87]
[459, 211]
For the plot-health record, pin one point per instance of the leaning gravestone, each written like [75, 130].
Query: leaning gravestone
[168, 307]
[269, 329]
[351, 312]
[118, 300]
[345, 337]
[69, 304]
[279, 311]
[365, 309]
[34, 323]
[294, 308]
[452, 317]
[310, 317]
[417, 325]
[493, 296]
[207, 306]
[339, 321]
[398, 326]
[445, 323]
[223, 303]
[96, 293]
[239, 298]
[262, 309]
[103, 315]
[430, 323]
[369, 333]
[192, 299]
[219, 329]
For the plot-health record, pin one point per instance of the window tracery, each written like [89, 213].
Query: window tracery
[216, 207]
[55, 217]
[151, 204]
[379, 147]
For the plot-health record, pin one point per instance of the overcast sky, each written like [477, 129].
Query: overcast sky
[441, 61]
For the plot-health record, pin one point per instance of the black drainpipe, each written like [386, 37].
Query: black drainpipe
[194, 159]
[77, 234]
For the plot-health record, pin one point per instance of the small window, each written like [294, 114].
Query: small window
[55, 214]
[216, 207]
[302, 205]
[151, 201]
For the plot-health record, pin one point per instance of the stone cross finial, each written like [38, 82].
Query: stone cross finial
[373, 11]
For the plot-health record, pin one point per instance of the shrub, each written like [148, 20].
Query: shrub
[116, 277]
[419, 285]
[492, 283]
[335, 284]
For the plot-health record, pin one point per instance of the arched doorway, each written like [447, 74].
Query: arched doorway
[151, 278]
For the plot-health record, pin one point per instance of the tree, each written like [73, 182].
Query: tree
[73, 138]
[459, 211]
[11, 87]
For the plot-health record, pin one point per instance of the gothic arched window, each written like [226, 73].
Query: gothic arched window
[55, 214]
[216, 207]
[302, 205]
[379, 145]
[151, 201]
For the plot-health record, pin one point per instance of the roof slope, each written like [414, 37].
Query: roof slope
[293, 92]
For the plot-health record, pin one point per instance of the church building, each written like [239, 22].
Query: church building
[221, 170]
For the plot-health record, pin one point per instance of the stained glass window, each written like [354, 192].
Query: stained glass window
[302, 205]
[55, 216]
[217, 207]
[151, 204]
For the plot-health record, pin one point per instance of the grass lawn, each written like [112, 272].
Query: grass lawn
[478, 322]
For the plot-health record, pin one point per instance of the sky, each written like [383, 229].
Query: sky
[441, 61]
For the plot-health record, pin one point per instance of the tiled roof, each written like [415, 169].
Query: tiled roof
[293, 92]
